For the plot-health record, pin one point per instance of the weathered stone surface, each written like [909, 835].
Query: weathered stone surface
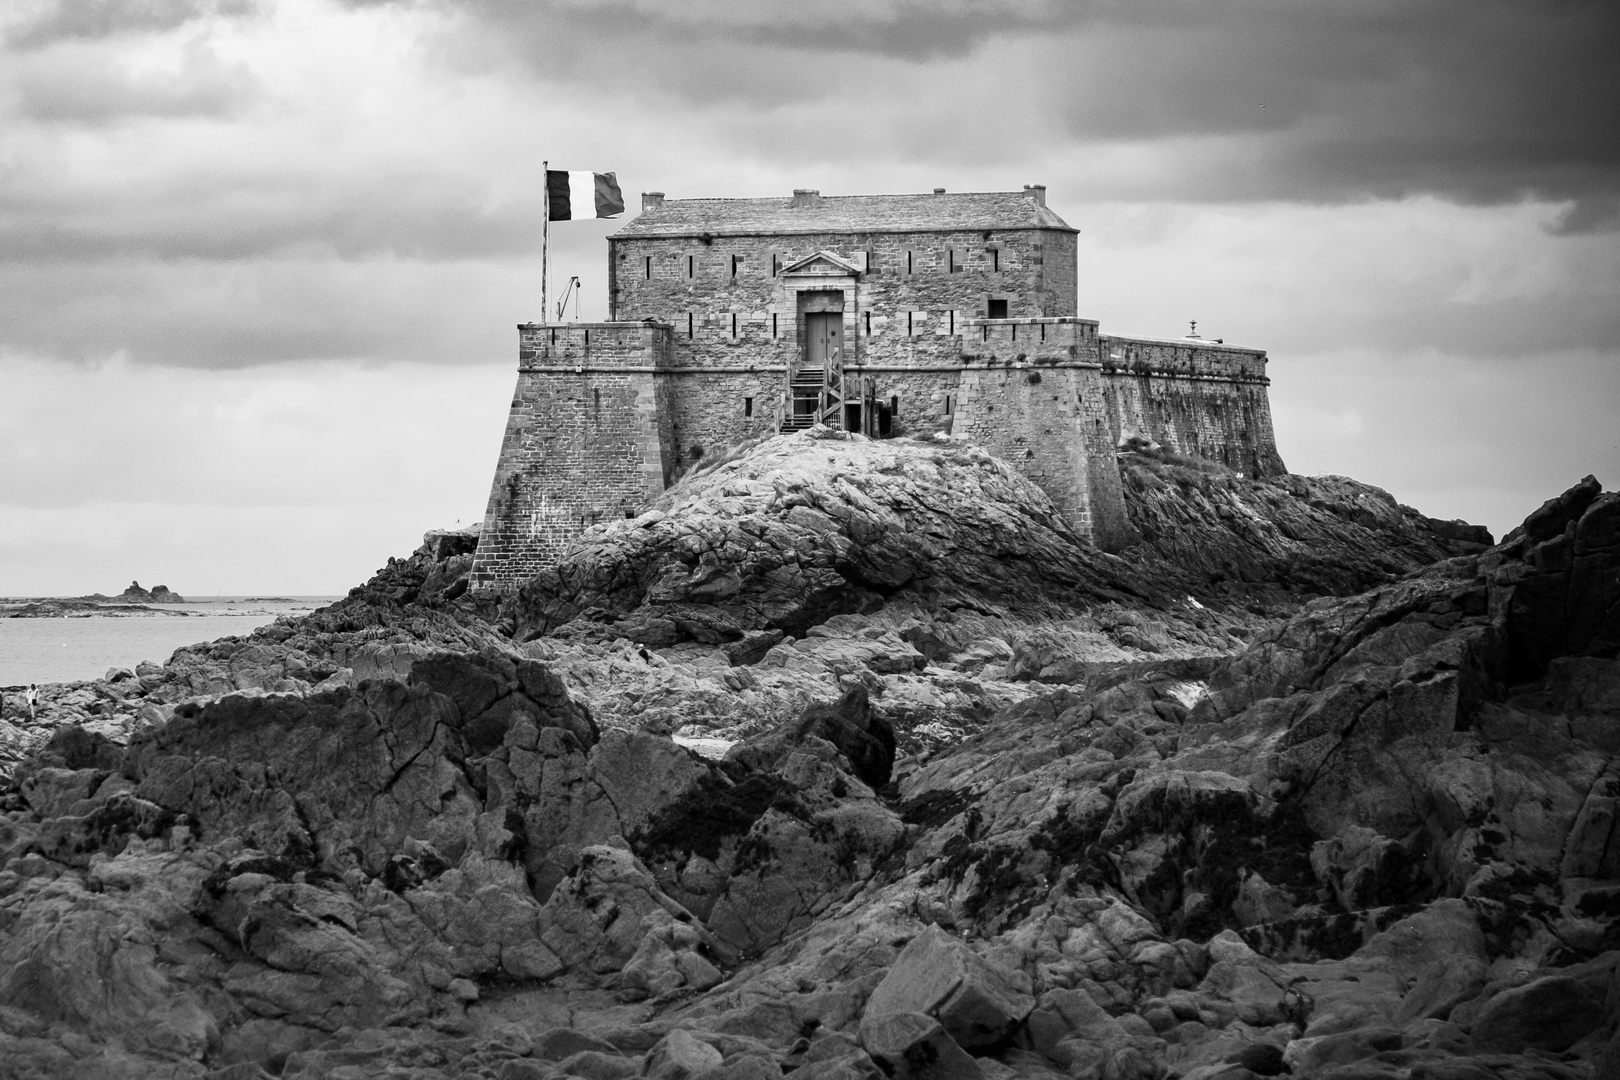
[1549, 1013]
[977, 1001]
[907, 1045]
[681, 1056]
[1359, 824]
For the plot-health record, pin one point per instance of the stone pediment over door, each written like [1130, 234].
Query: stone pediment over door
[823, 264]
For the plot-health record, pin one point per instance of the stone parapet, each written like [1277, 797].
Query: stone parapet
[605, 345]
[1182, 358]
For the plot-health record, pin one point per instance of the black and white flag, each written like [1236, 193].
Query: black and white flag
[572, 195]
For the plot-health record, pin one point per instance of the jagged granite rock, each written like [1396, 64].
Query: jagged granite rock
[1355, 849]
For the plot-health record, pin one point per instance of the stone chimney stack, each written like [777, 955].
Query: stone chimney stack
[651, 200]
[1036, 192]
[805, 198]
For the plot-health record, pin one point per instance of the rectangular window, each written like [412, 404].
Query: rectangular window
[689, 322]
[998, 309]
[691, 266]
[748, 406]
[947, 404]
[894, 406]
[736, 261]
[995, 260]
[871, 261]
[649, 267]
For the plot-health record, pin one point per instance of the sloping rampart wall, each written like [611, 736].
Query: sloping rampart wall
[582, 444]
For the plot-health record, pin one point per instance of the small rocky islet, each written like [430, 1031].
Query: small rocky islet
[849, 759]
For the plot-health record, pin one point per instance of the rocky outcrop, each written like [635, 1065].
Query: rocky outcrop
[1378, 840]
[158, 594]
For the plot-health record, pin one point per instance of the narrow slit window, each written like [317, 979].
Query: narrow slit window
[871, 261]
[1043, 331]
[1015, 331]
[947, 404]
[908, 262]
[952, 318]
[950, 260]
[748, 406]
[736, 261]
[733, 324]
[995, 260]
[649, 267]
[868, 324]
[773, 324]
[689, 324]
[910, 323]
[598, 395]
[691, 266]
[894, 405]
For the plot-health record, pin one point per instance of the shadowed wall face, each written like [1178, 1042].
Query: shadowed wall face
[582, 444]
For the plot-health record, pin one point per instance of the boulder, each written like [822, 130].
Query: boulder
[914, 1045]
[1445, 984]
[1550, 1013]
[978, 1002]
[597, 919]
[865, 739]
[681, 1056]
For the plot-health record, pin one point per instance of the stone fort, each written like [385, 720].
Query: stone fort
[889, 315]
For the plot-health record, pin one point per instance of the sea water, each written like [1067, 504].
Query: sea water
[86, 646]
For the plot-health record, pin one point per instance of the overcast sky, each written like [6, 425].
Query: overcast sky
[261, 260]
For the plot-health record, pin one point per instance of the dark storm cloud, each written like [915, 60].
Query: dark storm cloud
[414, 218]
[1481, 101]
[88, 20]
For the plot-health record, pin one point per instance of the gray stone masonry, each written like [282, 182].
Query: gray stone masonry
[957, 314]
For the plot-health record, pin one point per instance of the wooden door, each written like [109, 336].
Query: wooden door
[825, 346]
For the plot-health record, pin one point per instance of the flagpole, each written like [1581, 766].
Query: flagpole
[545, 234]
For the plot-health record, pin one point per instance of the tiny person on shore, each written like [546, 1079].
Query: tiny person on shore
[33, 701]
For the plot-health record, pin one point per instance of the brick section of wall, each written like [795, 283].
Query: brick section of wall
[1195, 398]
[583, 443]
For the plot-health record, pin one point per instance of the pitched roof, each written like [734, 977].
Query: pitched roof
[844, 214]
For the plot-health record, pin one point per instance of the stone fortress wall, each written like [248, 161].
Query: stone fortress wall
[969, 331]
[585, 439]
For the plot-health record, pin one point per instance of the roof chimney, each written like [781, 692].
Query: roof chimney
[1036, 192]
[651, 199]
[804, 198]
